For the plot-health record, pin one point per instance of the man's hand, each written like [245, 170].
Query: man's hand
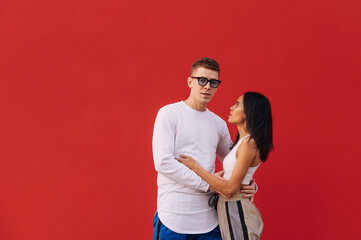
[250, 190]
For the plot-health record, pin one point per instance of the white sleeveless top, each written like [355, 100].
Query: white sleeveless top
[230, 160]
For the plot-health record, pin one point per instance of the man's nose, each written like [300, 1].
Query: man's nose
[208, 85]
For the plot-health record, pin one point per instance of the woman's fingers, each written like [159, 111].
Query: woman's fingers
[219, 174]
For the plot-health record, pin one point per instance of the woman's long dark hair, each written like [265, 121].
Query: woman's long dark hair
[258, 113]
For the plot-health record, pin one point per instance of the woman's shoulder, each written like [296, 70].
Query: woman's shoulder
[247, 143]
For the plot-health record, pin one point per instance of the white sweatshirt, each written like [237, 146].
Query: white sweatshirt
[182, 194]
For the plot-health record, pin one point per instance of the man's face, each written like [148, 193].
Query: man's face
[202, 94]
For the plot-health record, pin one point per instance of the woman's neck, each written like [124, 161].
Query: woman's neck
[242, 130]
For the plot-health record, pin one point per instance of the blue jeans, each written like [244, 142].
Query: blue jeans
[161, 232]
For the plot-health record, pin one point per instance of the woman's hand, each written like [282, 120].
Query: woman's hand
[188, 161]
[219, 174]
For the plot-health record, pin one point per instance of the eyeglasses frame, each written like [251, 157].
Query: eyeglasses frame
[208, 81]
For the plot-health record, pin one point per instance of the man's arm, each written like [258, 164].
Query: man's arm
[224, 144]
[164, 135]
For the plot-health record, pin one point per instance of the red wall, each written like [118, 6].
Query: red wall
[81, 83]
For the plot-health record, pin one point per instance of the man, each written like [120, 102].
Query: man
[189, 128]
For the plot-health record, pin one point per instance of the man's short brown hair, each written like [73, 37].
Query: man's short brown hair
[208, 63]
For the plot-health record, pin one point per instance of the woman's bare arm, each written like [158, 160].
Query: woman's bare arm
[246, 154]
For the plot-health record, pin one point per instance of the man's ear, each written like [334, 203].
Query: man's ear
[189, 81]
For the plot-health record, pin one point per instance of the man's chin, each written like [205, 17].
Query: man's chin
[205, 102]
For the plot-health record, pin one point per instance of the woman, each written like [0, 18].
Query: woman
[238, 217]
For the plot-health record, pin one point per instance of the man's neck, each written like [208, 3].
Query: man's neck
[195, 105]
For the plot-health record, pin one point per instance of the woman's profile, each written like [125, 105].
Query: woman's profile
[238, 217]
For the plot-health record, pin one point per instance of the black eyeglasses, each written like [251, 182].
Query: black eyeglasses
[202, 81]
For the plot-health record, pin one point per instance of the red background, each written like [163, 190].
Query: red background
[81, 83]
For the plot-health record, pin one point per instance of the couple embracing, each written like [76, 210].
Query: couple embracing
[187, 138]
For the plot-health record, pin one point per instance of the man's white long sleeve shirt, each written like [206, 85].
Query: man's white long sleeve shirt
[183, 195]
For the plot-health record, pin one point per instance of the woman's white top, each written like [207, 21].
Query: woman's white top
[230, 160]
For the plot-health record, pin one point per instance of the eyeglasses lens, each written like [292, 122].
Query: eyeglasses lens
[214, 83]
[202, 81]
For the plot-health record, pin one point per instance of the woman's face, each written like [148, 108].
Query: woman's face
[237, 115]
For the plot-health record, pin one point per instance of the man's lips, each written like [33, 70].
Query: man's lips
[206, 94]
